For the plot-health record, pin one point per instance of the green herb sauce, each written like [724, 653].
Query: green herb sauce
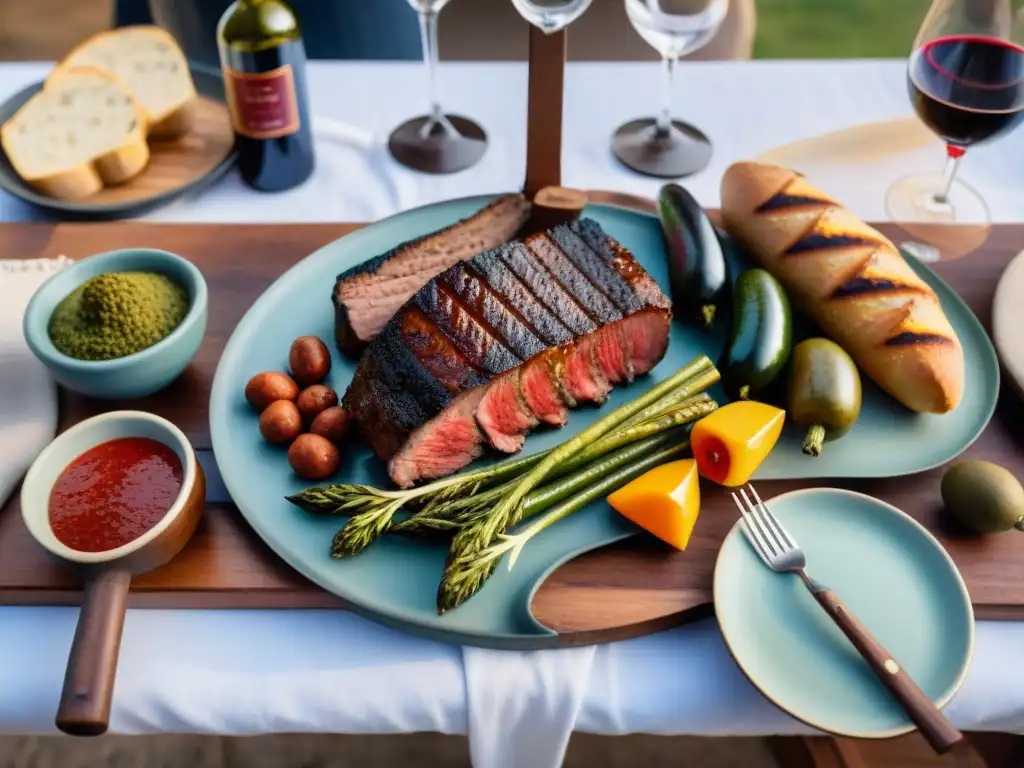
[117, 314]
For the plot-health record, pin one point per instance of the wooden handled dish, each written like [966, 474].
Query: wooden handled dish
[114, 496]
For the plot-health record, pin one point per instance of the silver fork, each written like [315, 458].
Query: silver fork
[780, 552]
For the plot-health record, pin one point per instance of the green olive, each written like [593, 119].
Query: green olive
[824, 392]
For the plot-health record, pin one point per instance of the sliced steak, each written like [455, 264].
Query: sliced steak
[503, 413]
[646, 333]
[544, 395]
[365, 297]
[443, 445]
[582, 376]
[495, 346]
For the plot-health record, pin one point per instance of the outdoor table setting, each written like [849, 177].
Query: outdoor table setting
[622, 350]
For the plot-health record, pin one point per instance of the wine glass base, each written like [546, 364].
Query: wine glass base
[910, 203]
[440, 151]
[683, 151]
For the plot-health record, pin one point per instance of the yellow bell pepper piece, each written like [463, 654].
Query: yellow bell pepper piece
[729, 444]
[664, 501]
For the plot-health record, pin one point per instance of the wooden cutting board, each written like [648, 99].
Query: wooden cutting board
[629, 589]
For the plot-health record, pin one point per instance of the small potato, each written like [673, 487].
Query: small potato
[280, 422]
[332, 423]
[309, 360]
[314, 399]
[264, 388]
[313, 457]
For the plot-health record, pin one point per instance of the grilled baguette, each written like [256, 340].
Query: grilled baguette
[850, 279]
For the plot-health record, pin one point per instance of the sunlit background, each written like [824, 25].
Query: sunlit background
[784, 29]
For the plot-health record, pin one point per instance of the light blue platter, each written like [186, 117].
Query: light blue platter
[395, 581]
[891, 573]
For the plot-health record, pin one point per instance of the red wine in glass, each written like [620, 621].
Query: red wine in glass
[965, 78]
[967, 88]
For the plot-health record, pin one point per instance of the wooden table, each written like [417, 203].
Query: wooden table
[628, 589]
[638, 587]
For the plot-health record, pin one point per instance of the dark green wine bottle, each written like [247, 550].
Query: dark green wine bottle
[264, 65]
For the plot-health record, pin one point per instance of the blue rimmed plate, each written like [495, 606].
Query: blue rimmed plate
[395, 581]
[891, 573]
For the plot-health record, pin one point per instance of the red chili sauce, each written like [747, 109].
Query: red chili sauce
[114, 493]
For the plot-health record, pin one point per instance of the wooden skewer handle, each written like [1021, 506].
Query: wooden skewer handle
[935, 727]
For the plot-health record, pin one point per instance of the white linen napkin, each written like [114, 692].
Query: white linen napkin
[28, 395]
[523, 705]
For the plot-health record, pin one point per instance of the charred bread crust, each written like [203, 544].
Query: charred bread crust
[849, 278]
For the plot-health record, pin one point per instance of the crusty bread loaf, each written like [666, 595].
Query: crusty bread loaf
[851, 280]
[81, 131]
[152, 66]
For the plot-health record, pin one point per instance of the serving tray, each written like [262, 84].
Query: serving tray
[175, 168]
[628, 589]
[395, 581]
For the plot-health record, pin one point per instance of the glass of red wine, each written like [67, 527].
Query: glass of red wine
[436, 143]
[966, 82]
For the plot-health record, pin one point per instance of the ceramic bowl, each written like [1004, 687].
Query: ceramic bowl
[137, 375]
[157, 545]
[85, 700]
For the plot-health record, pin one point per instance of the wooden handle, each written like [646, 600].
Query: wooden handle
[553, 206]
[544, 110]
[84, 708]
[935, 728]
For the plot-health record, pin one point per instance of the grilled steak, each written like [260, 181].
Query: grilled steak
[498, 344]
[365, 297]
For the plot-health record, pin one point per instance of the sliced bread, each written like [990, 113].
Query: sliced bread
[82, 131]
[151, 64]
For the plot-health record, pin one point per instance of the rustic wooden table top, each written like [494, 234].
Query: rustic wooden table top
[627, 589]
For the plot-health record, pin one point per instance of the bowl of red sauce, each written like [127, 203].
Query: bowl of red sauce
[114, 496]
[112, 487]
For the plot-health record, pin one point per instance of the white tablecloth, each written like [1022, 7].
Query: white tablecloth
[245, 672]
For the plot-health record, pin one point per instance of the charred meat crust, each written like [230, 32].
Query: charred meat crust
[392, 389]
[549, 292]
[482, 324]
[509, 211]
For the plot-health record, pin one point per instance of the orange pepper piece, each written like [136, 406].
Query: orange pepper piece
[729, 444]
[664, 501]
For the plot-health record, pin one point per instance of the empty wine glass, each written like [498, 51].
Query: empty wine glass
[551, 15]
[436, 143]
[965, 77]
[661, 146]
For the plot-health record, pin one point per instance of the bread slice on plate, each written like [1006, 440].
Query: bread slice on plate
[82, 131]
[152, 66]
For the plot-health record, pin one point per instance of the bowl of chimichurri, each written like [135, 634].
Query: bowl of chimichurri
[120, 324]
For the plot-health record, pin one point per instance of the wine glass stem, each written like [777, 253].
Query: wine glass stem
[664, 122]
[428, 34]
[948, 176]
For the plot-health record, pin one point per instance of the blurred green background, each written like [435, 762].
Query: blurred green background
[835, 29]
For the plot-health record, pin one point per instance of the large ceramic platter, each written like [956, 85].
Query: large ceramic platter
[395, 581]
[891, 573]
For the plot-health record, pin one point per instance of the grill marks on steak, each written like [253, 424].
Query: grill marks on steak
[366, 296]
[511, 339]
[473, 337]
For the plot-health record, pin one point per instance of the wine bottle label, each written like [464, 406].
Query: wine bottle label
[263, 105]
